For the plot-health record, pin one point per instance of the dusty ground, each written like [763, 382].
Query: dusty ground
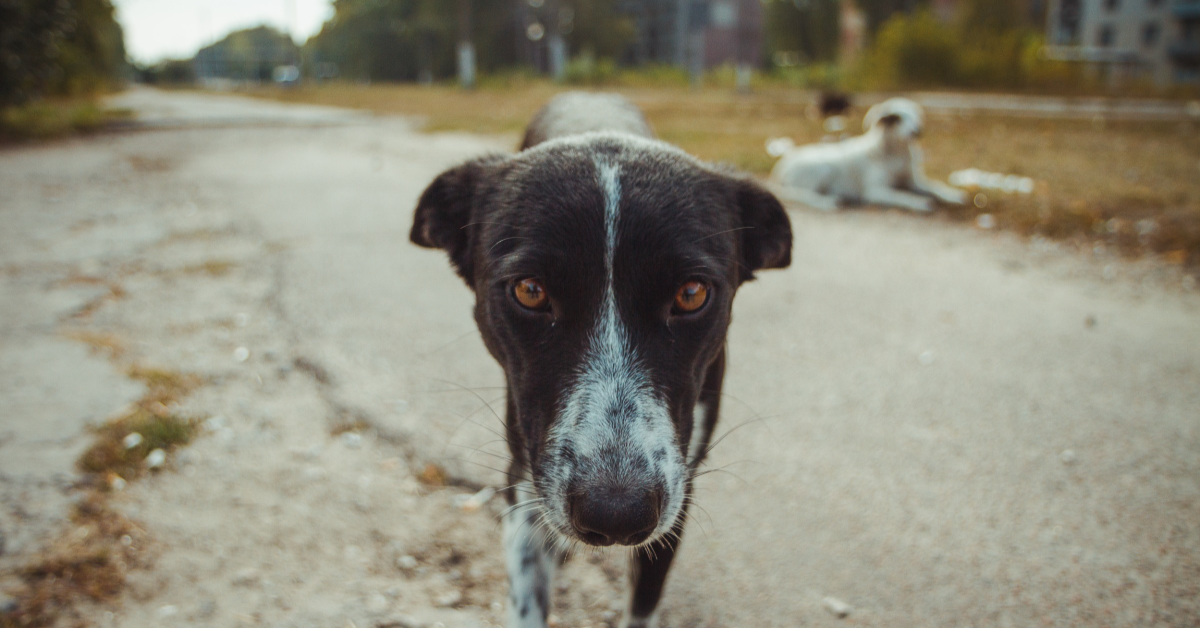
[942, 426]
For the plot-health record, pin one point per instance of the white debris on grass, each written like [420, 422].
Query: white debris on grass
[131, 440]
[155, 459]
[976, 178]
[985, 221]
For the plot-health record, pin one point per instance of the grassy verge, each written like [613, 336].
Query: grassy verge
[53, 119]
[1133, 187]
[87, 563]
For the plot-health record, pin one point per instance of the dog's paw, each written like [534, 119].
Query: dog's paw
[922, 205]
[955, 197]
[640, 622]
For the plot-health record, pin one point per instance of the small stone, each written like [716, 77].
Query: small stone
[116, 482]
[836, 607]
[476, 501]
[926, 358]
[155, 459]
[246, 577]
[352, 440]
[1067, 456]
[170, 610]
[985, 221]
[131, 440]
[406, 562]
[241, 354]
[449, 600]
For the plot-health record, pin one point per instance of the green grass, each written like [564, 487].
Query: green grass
[53, 119]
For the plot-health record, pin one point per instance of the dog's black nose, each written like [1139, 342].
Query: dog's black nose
[615, 516]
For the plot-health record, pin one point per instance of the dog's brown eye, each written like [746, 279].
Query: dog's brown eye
[691, 297]
[530, 294]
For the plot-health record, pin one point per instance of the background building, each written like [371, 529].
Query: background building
[1131, 39]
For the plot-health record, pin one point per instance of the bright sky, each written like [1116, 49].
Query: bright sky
[159, 29]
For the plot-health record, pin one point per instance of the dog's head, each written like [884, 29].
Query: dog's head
[604, 268]
[899, 117]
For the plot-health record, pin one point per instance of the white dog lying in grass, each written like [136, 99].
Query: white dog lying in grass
[881, 167]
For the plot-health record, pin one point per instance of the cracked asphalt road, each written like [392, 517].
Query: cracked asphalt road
[937, 425]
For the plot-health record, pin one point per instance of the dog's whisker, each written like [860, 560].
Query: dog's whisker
[477, 396]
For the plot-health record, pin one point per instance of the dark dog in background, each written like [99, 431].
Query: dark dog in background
[604, 264]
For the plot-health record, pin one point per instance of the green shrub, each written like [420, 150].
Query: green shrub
[920, 51]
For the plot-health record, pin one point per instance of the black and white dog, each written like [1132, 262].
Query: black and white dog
[604, 264]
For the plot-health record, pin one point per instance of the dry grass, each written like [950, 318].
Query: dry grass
[111, 345]
[1097, 182]
[87, 563]
[154, 417]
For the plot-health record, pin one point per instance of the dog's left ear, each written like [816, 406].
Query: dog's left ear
[444, 212]
[765, 230]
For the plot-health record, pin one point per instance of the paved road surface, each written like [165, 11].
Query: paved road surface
[936, 425]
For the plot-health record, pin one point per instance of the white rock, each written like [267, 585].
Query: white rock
[131, 440]
[246, 577]
[476, 501]
[448, 600]
[926, 358]
[167, 611]
[155, 459]
[241, 354]
[836, 607]
[1067, 456]
[352, 440]
[406, 562]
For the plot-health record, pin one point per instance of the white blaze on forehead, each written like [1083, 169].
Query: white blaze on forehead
[612, 419]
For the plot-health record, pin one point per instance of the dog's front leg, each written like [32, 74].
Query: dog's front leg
[648, 573]
[531, 559]
[922, 184]
[939, 190]
[889, 197]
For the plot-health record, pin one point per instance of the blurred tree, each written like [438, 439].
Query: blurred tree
[406, 40]
[247, 55]
[806, 27]
[58, 47]
[597, 27]
[879, 11]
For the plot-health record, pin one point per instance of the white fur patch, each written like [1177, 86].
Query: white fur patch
[611, 417]
[530, 560]
[699, 434]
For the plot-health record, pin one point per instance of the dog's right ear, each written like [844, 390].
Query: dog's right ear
[876, 116]
[443, 215]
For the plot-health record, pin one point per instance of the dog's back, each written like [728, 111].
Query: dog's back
[574, 113]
